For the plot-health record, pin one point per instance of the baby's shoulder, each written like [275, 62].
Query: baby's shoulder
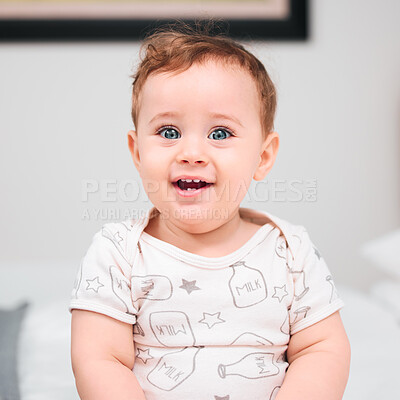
[295, 236]
[124, 235]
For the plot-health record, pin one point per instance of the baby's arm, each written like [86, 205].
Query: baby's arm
[103, 354]
[319, 362]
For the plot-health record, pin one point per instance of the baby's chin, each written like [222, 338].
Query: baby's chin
[196, 219]
[198, 227]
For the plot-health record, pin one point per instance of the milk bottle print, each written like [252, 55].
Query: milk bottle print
[334, 294]
[174, 368]
[301, 287]
[252, 366]
[285, 327]
[251, 339]
[151, 287]
[299, 314]
[172, 328]
[247, 285]
[274, 393]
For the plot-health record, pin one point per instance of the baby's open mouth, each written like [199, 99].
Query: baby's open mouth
[190, 184]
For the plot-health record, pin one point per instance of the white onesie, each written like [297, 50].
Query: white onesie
[208, 328]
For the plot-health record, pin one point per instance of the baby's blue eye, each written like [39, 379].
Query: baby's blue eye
[220, 134]
[169, 133]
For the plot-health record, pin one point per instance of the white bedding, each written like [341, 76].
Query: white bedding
[374, 335]
[44, 354]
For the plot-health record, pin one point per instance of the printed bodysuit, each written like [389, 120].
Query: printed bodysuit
[208, 328]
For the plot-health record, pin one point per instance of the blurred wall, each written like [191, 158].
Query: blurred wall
[65, 112]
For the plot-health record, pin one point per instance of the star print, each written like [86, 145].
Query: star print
[318, 254]
[189, 286]
[118, 238]
[144, 355]
[222, 398]
[94, 285]
[211, 319]
[280, 292]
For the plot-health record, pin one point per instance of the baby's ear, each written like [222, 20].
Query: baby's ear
[134, 148]
[269, 151]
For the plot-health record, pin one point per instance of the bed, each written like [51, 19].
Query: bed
[40, 294]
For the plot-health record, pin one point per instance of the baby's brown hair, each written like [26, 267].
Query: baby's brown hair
[176, 47]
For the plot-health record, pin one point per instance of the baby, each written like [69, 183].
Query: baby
[199, 298]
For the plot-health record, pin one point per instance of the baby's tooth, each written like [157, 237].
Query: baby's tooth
[188, 180]
[196, 180]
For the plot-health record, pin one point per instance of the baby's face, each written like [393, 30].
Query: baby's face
[201, 124]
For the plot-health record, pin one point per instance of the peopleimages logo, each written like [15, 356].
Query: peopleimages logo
[130, 191]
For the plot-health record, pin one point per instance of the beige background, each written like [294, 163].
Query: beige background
[277, 9]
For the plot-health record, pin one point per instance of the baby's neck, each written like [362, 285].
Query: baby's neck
[218, 242]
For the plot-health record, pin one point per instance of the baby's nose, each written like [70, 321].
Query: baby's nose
[193, 153]
[193, 160]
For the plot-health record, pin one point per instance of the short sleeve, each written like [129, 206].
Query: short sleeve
[103, 282]
[315, 294]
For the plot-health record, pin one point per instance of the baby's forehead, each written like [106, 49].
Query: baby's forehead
[228, 82]
[214, 76]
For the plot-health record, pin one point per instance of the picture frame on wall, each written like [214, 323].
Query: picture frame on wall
[117, 20]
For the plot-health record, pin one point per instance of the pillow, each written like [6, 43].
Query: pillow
[375, 347]
[387, 292]
[44, 363]
[10, 326]
[383, 252]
